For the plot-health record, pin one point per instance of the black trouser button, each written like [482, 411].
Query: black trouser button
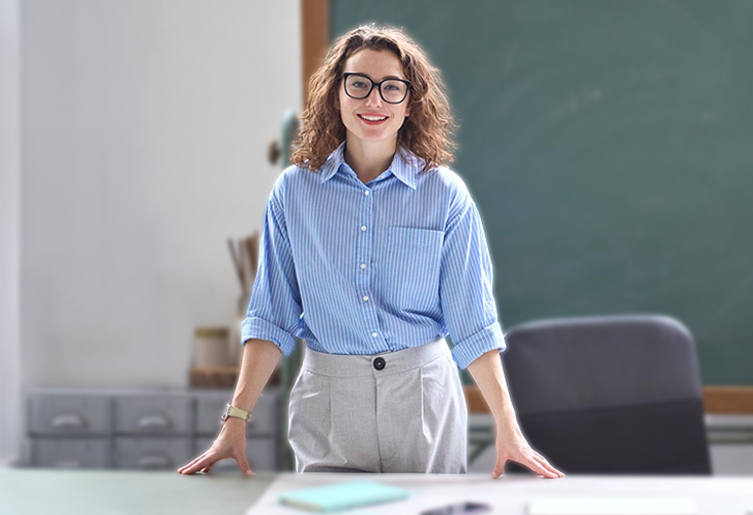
[379, 363]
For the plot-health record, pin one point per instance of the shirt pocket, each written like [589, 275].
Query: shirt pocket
[412, 264]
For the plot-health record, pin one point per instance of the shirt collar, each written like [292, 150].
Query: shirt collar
[405, 165]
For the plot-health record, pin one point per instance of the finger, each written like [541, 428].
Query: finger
[243, 465]
[181, 469]
[548, 465]
[203, 461]
[534, 464]
[206, 469]
[499, 467]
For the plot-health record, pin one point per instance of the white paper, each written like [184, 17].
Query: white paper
[612, 505]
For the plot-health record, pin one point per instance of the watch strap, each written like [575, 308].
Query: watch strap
[234, 411]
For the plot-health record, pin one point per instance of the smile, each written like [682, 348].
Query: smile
[372, 120]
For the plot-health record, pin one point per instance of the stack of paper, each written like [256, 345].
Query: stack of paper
[343, 496]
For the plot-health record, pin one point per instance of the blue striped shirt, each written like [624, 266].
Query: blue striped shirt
[358, 268]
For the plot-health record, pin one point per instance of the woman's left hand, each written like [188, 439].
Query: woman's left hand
[511, 445]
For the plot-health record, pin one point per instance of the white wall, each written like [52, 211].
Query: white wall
[10, 227]
[145, 125]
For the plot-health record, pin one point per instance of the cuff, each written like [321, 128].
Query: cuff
[257, 328]
[489, 338]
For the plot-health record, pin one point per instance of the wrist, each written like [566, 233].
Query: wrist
[504, 415]
[501, 405]
[234, 422]
[235, 412]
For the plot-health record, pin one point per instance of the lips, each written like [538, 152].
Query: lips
[373, 122]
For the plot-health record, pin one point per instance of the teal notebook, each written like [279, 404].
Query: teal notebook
[343, 496]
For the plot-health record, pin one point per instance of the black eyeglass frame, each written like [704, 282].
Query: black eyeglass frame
[378, 85]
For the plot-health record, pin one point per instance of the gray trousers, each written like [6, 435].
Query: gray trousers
[398, 411]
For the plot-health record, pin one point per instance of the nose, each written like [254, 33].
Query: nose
[374, 98]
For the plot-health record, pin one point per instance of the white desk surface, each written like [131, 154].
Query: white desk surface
[511, 494]
[113, 492]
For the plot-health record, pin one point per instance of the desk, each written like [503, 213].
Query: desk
[120, 492]
[111, 492]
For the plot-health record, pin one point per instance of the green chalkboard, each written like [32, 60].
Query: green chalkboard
[609, 147]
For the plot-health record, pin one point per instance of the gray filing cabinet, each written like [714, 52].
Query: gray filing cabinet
[142, 429]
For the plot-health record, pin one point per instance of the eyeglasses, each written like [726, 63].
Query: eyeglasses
[392, 91]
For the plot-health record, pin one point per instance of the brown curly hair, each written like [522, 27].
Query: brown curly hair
[426, 132]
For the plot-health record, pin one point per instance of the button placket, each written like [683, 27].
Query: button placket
[363, 276]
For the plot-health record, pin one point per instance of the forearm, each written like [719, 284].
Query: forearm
[490, 377]
[511, 445]
[259, 360]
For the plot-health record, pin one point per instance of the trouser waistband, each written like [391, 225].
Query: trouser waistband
[345, 365]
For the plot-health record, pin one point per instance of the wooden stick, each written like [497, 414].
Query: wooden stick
[255, 247]
[236, 261]
[242, 259]
[251, 261]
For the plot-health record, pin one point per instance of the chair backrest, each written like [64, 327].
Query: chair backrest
[609, 394]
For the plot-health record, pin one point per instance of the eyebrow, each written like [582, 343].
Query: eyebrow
[383, 78]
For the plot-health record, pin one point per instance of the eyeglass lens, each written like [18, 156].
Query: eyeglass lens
[359, 87]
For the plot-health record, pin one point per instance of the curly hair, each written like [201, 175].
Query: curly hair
[427, 132]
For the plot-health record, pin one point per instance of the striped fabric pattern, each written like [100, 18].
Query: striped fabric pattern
[358, 268]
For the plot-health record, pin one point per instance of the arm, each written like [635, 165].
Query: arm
[471, 314]
[510, 444]
[274, 312]
[259, 360]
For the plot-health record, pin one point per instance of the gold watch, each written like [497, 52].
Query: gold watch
[232, 411]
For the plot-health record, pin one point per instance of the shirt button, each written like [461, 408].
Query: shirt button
[363, 265]
[363, 228]
[379, 363]
[366, 193]
[374, 334]
[365, 298]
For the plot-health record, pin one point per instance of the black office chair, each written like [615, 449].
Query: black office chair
[609, 394]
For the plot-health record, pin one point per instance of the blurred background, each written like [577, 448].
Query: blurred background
[608, 146]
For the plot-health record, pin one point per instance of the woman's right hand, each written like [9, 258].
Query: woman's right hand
[230, 443]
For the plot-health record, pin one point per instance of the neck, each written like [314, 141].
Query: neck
[369, 159]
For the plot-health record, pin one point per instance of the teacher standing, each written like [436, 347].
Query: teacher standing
[373, 251]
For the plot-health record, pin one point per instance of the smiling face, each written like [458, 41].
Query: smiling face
[377, 65]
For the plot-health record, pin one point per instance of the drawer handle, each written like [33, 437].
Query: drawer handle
[154, 422]
[154, 461]
[68, 421]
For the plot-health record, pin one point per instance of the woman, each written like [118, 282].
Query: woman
[372, 252]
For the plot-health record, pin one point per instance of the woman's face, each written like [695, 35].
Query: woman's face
[376, 65]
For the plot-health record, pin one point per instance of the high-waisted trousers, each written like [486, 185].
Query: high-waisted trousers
[400, 411]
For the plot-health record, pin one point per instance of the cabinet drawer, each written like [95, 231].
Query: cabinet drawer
[64, 414]
[211, 405]
[153, 415]
[261, 454]
[152, 453]
[71, 453]
[732, 459]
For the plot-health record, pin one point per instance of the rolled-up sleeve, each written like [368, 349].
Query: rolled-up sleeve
[465, 287]
[274, 311]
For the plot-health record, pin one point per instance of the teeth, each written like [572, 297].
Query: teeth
[372, 118]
